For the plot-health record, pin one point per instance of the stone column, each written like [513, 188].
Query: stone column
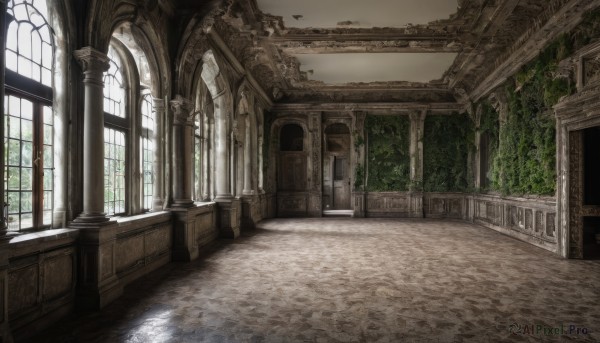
[359, 163]
[94, 63]
[183, 126]
[477, 163]
[417, 125]
[98, 283]
[159, 162]
[248, 184]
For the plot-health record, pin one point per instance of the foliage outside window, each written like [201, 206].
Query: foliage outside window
[388, 140]
[28, 120]
[447, 141]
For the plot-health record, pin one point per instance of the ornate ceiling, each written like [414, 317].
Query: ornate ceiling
[311, 52]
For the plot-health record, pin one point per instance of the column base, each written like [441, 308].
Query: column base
[184, 245]
[229, 218]
[183, 203]
[98, 283]
[92, 219]
[251, 213]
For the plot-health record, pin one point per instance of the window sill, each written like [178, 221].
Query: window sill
[40, 241]
[143, 216]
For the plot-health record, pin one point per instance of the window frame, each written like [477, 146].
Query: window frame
[40, 95]
[120, 124]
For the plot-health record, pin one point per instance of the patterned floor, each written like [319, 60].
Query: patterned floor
[356, 280]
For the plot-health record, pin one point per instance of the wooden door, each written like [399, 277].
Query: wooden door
[341, 183]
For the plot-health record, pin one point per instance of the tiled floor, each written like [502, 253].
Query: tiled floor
[355, 280]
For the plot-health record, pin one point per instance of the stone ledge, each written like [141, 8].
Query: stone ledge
[41, 241]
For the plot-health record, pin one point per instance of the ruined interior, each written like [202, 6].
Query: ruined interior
[140, 135]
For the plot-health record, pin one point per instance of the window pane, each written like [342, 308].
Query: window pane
[48, 117]
[48, 179]
[11, 36]
[47, 217]
[14, 200]
[26, 179]
[24, 36]
[48, 156]
[114, 171]
[26, 154]
[14, 178]
[26, 221]
[27, 130]
[26, 109]
[36, 44]
[26, 201]
[11, 60]
[114, 94]
[13, 152]
[14, 127]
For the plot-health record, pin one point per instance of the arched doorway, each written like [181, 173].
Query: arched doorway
[336, 168]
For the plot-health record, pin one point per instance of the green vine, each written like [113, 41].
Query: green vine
[490, 127]
[388, 153]
[523, 151]
[446, 145]
[359, 177]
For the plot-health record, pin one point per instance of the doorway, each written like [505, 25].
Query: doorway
[336, 171]
[584, 193]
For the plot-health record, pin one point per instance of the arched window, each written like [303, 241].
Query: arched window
[115, 132]
[130, 126]
[28, 120]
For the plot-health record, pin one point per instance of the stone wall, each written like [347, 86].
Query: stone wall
[41, 279]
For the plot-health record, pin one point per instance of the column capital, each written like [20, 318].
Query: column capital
[159, 104]
[499, 101]
[92, 60]
[418, 115]
[182, 110]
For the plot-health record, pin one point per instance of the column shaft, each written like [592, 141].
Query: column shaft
[94, 64]
[182, 152]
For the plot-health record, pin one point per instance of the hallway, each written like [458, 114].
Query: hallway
[350, 280]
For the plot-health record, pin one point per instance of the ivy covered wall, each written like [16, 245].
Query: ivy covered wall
[447, 141]
[388, 159]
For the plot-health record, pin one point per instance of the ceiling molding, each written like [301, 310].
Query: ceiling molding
[373, 107]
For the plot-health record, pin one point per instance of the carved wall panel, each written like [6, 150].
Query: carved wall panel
[445, 205]
[40, 282]
[292, 204]
[58, 274]
[24, 285]
[527, 219]
[591, 70]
